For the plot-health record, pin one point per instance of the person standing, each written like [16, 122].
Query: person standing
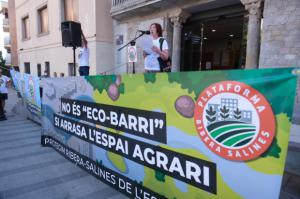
[84, 56]
[4, 81]
[160, 50]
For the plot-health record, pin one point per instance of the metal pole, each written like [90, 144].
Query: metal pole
[201, 45]
[132, 43]
[133, 69]
[74, 60]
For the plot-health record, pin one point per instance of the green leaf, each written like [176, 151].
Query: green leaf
[273, 151]
[211, 111]
[237, 117]
[224, 110]
[121, 88]
[150, 77]
[211, 119]
[160, 176]
[194, 82]
[237, 111]
[101, 83]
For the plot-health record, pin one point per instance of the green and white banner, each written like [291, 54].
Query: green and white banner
[218, 134]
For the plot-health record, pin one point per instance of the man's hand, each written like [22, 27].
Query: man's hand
[167, 69]
[163, 54]
[8, 83]
[145, 54]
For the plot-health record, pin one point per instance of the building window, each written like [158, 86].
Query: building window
[27, 67]
[39, 70]
[25, 27]
[68, 10]
[5, 12]
[47, 68]
[43, 19]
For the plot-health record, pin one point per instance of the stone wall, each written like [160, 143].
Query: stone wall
[281, 33]
[280, 44]
[13, 33]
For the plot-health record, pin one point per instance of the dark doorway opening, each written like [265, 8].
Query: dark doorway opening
[214, 43]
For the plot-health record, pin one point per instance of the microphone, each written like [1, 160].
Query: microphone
[145, 32]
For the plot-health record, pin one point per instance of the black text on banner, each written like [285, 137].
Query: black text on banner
[194, 171]
[147, 124]
[119, 182]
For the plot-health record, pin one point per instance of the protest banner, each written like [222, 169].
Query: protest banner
[29, 88]
[217, 134]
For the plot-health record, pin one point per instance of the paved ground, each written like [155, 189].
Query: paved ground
[291, 179]
[29, 171]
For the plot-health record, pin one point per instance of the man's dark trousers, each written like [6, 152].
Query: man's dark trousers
[2, 116]
[84, 70]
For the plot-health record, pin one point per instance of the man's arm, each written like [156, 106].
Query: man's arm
[83, 37]
[8, 82]
[84, 40]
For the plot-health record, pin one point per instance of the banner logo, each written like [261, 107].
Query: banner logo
[31, 89]
[234, 121]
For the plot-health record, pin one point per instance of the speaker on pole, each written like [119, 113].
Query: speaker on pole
[71, 37]
[71, 34]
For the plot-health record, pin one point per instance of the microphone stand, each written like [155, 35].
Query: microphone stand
[132, 43]
[74, 60]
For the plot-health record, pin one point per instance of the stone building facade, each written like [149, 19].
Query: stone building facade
[5, 39]
[13, 33]
[39, 40]
[267, 32]
[280, 44]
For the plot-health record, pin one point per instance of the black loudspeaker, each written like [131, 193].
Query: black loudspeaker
[71, 34]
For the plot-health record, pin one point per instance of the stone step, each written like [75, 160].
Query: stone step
[28, 170]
